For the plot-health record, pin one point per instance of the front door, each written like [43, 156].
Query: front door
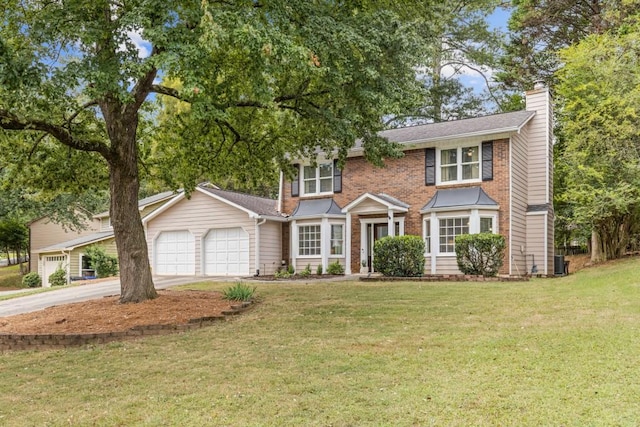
[374, 233]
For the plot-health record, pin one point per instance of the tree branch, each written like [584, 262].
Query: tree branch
[9, 121]
[168, 91]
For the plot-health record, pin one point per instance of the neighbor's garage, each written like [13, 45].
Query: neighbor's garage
[226, 252]
[50, 265]
[175, 253]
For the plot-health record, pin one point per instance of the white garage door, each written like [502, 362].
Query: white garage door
[226, 252]
[175, 253]
[50, 265]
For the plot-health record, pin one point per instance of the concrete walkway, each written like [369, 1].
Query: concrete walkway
[85, 292]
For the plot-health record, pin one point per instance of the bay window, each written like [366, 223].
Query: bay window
[449, 229]
[309, 240]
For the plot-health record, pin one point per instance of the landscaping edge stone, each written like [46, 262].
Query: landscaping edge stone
[446, 278]
[19, 342]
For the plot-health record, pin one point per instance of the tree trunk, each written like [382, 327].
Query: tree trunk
[596, 251]
[136, 282]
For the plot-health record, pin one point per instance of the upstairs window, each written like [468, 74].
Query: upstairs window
[318, 180]
[460, 164]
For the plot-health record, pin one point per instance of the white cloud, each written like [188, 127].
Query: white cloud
[143, 46]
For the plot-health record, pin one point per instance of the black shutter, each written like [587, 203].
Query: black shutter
[429, 166]
[487, 161]
[337, 178]
[295, 182]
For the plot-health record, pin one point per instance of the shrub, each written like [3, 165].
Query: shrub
[281, 274]
[105, 265]
[239, 292]
[480, 254]
[291, 270]
[319, 270]
[306, 272]
[32, 280]
[399, 256]
[335, 268]
[59, 277]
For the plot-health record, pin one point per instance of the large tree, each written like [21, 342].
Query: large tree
[264, 80]
[599, 92]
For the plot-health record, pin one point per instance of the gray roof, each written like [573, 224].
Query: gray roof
[259, 205]
[315, 207]
[496, 123]
[79, 241]
[146, 201]
[392, 200]
[459, 197]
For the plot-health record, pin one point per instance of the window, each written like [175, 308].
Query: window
[318, 180]
[337, 240]
[427, 236]
[309, 240]
[460, 164]
[486, 224]
[449, 229]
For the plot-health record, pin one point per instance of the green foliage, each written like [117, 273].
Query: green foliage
[14, 237]
[480, 254]
[335, 268]
[282, 274]
[32, 280]
[104, 264]
[59, 277]
[239, 292]
[291, 269]
[399, 256]
[599, 92]
[319, 270]
[306, 272]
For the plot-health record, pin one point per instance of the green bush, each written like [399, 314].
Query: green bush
[32, 280]
[59, 277]
[399, 256]
[239, 292]
[306, 272]
[335, 268]
[105, 265]
[291, 270]
[282, 274]
[319, 270]
[480, 254]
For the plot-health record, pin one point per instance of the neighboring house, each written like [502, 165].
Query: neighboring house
[486, 174]
[44, 232]
[215, 232]
[69, 253]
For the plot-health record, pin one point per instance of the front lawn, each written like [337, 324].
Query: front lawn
[546, 352]
[10, 277]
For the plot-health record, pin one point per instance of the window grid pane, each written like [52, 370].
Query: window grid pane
[337, 241]
[309, 240]
[449, 229]
[486, 225]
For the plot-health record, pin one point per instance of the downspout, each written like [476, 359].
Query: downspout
[257, 248]
[280, 189]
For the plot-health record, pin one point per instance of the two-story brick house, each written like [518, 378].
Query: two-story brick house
[486, 174]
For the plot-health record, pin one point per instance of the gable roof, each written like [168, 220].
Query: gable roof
[382, 198]
[254, 206]
[70, 245]
[316, 207]
[460, 197]
[142, 203]
[477, 126]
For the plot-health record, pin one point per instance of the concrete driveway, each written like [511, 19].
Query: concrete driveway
[86, 292]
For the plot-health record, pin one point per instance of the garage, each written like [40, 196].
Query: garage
[226, 252]
[50, 265]
[175, 253]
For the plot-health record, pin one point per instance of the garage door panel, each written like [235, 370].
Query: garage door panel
[227, 252]
[175, 253]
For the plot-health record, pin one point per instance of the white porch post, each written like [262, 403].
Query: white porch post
[294, 243]
[347, 244]
[363, 242]
[435, 241]
[391, 223]
[325, 241]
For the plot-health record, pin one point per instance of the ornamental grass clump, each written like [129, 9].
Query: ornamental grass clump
[480, 254]
[239, 292]
[399, 256]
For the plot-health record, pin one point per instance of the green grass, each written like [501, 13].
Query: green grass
[546, 352]
[10, 277]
